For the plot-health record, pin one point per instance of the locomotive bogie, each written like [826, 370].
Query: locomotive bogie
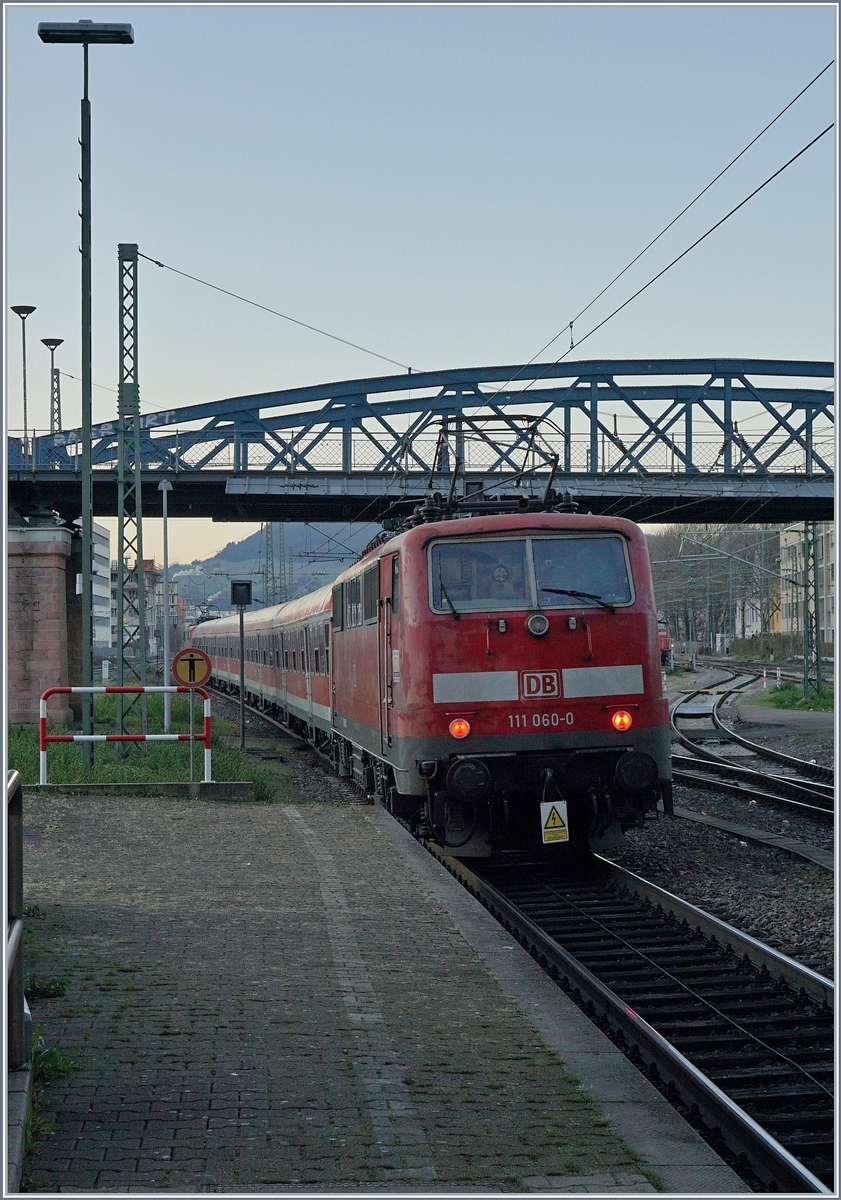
[495, 682]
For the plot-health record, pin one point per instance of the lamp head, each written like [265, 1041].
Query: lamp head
[86, 32]
[52, 343]
[23, 310]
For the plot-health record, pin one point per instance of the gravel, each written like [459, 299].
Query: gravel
[780, 900]
[783, 901]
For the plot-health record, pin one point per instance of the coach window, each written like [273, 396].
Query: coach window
[338, 608]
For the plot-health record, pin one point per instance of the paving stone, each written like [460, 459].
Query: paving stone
[264, 999]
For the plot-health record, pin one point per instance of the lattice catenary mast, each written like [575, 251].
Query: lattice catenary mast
[131, 592]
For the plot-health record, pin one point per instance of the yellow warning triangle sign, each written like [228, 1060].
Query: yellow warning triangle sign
[554, 820]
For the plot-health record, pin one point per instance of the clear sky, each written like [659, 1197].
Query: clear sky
[445, 185]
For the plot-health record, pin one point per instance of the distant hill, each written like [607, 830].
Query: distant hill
[314, 556]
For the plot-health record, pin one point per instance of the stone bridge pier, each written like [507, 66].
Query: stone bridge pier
[37, 658]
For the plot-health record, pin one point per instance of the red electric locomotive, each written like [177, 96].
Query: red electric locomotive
[494, 680]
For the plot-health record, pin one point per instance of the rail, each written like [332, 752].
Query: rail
[775, 1165]
[46, 738]
[810, 769]
[15, 1024]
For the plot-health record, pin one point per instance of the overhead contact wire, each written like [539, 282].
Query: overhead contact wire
[732, 162]
[674, 261]
[674, 220]
[274, 312]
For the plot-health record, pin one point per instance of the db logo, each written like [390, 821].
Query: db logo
[537, 685]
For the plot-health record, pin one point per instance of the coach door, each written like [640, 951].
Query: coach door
[309, 638]
[388, 594]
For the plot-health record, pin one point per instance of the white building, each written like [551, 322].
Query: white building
[100, 586]
[793, 571]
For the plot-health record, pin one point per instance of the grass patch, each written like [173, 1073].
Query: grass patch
[151, 762]
[790, 695]
[48, 1063]
[37, 987]
[654, 1179]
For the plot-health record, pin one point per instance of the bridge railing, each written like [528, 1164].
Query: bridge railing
[666, 456]
[678, 416]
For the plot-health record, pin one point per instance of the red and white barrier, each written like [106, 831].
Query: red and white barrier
[46, 738]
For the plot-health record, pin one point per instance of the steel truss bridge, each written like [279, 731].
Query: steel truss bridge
[689, 440]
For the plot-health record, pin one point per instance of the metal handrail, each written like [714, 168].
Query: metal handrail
[191, 737]
[16, 1029]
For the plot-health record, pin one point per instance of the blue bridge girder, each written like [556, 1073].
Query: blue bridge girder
[725, 429]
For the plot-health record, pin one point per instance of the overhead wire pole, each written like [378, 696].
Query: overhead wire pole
[811, 613]
[282, 581]
[269, 577]
[52, 345]
[131, 600]
[86, 33]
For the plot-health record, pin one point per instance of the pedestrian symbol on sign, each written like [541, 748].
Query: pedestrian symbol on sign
[191, 667]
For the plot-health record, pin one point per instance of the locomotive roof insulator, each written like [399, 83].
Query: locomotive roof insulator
[567, 504]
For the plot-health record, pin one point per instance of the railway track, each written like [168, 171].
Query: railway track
[808, 788]
[740, 1035]
[752, 785]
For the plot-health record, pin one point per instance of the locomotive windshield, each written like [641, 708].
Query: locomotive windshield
[552, 572]
[582, 564]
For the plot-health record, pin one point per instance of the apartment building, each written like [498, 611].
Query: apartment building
[793, 572]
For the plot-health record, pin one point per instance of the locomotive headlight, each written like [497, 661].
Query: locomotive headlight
[538, 624]
[459, 728]
[621, 720]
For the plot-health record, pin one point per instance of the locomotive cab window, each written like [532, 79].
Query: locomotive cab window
[565, 571]
[395, 584]
[473, 575]
[597, 565]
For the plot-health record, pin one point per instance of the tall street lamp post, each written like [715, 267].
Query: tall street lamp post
[165, 487]
[86, 33]
[52, 345]
[23, 311]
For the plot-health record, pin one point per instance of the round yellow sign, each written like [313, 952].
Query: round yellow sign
[191, 668]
